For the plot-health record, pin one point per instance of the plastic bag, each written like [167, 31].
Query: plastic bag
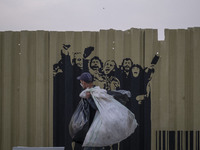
[121, 96]
[79, 124]
[92, 103]
[112, 123]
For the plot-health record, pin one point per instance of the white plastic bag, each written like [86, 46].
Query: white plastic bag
[112, 123]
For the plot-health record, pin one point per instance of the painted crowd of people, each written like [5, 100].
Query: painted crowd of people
[110, 76]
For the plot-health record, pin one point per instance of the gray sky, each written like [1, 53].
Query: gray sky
[93, 15]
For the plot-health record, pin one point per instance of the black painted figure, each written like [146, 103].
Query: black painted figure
[96, 66]
[62, 104]
[126, 74]
[111, 82]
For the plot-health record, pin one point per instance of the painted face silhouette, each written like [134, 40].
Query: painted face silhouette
[108, 67]
[95, 64]
[79, 60]
[135, 71]
[127, 65]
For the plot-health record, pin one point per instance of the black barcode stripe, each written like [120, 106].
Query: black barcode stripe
[167, 140]
[186, 139]
[191, 140]
[198, 141]
[178, 140]
[172, 140]
[156, 139]
[159, 140]
[163, 140]
[181, 140]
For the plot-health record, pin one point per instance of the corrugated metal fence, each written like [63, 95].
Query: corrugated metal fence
[26, 79]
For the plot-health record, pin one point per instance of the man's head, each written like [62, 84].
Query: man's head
[136, 70]
[109, 67]
[78, 59]
[127, 64]
[96, 63]
[86, 80]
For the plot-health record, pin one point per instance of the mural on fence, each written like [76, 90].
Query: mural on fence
[107, 75]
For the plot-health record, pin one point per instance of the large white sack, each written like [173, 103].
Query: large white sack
[112, 123]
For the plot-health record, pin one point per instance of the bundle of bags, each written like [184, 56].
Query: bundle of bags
[112, 122]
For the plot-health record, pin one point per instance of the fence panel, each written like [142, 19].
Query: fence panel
[28, 67]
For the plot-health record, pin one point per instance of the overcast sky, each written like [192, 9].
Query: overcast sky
[93, 15]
